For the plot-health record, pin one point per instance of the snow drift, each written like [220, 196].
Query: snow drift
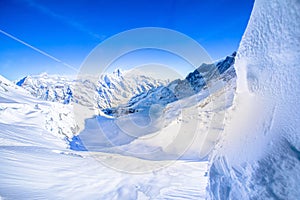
[259, 154]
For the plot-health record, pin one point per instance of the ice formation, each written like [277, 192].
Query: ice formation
[258, 156]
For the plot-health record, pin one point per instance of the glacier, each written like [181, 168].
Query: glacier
[258, 156]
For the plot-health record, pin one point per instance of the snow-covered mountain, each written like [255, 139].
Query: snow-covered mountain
[54, 117]
[159, 104]
[159, 114]
[201, 78]
[252, 154]
[109, 91]
[36, 164]
[127, 91]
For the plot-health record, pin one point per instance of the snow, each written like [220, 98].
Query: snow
[40, 158]
[208, 77]
[94, 92]
[258, 155]
[36, 172]
[159, 152]
[36, 164]
[168, 149]
[156, 126]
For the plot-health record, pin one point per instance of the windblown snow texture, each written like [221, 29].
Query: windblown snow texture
[259, 154]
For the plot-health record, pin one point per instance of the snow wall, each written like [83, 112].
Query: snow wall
[258, 156]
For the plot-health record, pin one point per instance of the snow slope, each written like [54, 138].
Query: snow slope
[57, 118]
[155, 126]
[36, 164]
[258, 156]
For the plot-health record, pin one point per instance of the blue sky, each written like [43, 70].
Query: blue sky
[68, 30]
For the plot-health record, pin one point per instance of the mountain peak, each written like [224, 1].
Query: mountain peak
[118, 72]
[21, 81]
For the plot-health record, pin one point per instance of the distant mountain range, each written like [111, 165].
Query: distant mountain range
[122, 92]
[109, 91]
[201, 78]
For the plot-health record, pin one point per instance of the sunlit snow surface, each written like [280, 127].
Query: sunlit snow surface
[37, 165]
[40, 158]
[258, 156]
